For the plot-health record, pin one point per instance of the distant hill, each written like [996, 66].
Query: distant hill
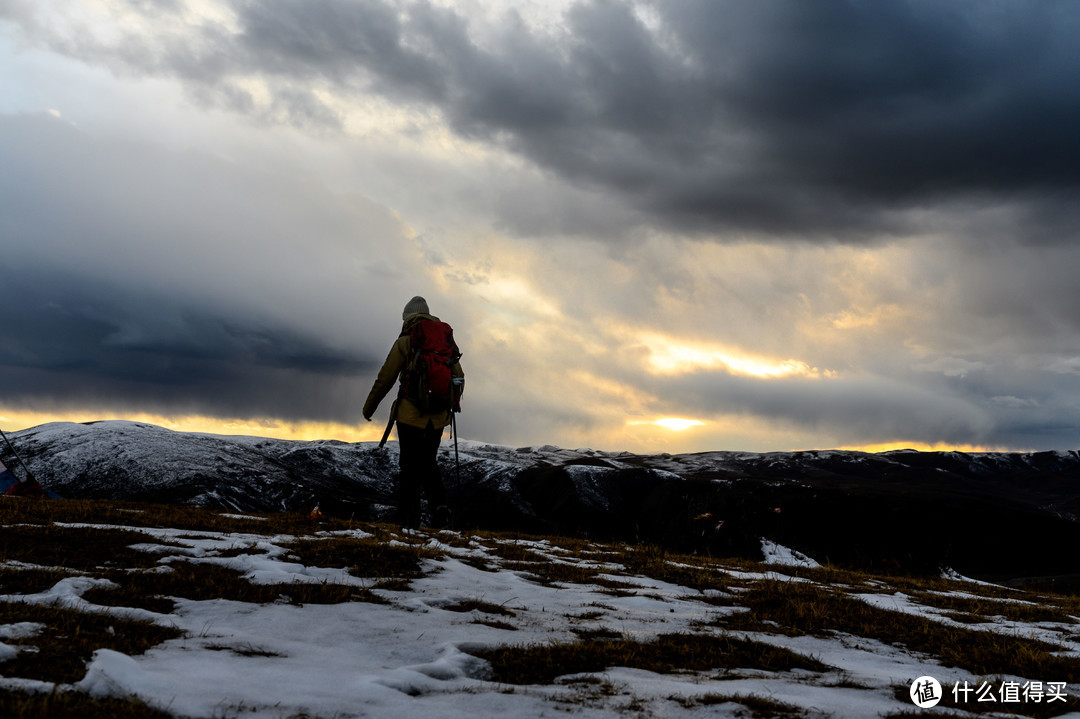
[1002, 516]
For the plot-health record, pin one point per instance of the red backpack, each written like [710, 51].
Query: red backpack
[428, 378]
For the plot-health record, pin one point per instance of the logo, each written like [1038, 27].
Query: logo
[925, 692]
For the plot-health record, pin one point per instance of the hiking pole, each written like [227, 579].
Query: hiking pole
[402, 387]
[457, 461]
[457, 389]
[390, 424]
[29, 474]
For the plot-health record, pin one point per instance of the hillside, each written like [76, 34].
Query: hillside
[126, 610]
[995, 516]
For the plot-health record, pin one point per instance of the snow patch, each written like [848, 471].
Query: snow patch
[777, 554]
[950, 573]
[20, 630]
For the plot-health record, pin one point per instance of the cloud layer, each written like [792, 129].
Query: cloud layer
[882, 193]
[136, 277]
[833, 119]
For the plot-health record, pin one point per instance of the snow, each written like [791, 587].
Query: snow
[20, 630]
[950, 573]
[411, 656]
[777, 554]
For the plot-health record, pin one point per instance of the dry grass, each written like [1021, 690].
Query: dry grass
[478, 605]
[496, 624]
[73, 705]
[797, 608]
[668, 653]
[984, 608]
[826, 575]
[69, 638]
[155, 590]
[582, 562]
[514, 552]
[597, 634]
[29, 580]
[758, 706]
[18, 510]
[911, 585]
[369, 557]
[549, 573]
[685, 571]
[79, 548]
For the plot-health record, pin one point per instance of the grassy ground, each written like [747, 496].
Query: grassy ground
[45, 543]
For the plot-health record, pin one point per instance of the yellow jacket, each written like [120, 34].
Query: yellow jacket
[407, 412]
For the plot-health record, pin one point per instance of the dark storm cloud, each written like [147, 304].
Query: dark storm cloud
[136, 278]
[73, 343]
[784, 117]
[796, 117]
[780, 116]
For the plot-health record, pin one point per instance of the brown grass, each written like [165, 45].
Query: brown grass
[690, 572]
[514, 552]
[759, 707]
[668, 653]
[367, 557]
[478, 605]
[797, 608]
[73, 705]
[18, 510]
[154, 590]
[984, 608]
[552, 574]
[70, 638]
[496, 624]
[30, 580]
[79, 548]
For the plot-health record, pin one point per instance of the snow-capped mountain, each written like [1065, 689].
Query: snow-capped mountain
[1000, 515]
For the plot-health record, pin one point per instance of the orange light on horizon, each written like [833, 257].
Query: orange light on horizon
[11, 421]
[876, 448]
[654, 432]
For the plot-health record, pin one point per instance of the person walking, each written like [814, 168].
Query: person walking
[424, 361]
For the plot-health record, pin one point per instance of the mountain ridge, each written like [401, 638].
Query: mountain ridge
[992, 514]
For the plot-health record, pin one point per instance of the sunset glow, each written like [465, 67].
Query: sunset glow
[670, 356]
[677, 424]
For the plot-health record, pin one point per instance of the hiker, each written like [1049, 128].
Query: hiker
[425, 358]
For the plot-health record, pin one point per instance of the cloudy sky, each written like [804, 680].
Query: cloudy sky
[789, 225]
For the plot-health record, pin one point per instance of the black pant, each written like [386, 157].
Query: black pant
[419, 470]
